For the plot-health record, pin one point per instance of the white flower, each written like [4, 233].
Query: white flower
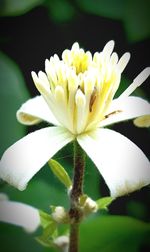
[19, 214]
[77, 94]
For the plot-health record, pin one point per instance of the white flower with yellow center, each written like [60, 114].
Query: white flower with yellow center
[77, 94]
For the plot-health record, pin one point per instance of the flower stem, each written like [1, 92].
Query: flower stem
[77, 190]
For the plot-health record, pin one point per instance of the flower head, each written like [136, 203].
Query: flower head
[79, 88]
[77, 95]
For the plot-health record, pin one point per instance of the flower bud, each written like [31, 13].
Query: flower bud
[60, 215]
[90, 206]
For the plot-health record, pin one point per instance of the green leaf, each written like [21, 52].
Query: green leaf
[49, 229]
[134, 14]
[112, 9]
[46, 239]
[92, 177]
[103, 203]
[45, 218]
[113, 233]
[17, 7]
[60, 10]
[60, 172]
[12, 94]
[14, 239]
[137, 209]
[137, 19]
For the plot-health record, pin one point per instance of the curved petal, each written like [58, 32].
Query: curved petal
[122, 164]
[142, 121]
[35, 110]
[19, 214]
[125, 109]
[26, 157]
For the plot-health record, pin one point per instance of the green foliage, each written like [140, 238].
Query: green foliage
[60, 172]
[92, 177]
[104, 202]
[134, 14]
[49, 230]
[45, 218]
[46, 238]
[17, 7]
[60, 10]
[12, 94]
[137, 209]
[113, 233]
[39, 194]
[15, 239]
[137, 19]
[111, 9]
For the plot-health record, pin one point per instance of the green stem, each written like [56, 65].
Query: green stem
[77, 190]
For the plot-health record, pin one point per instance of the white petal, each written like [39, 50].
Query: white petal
[19, 214]
[125, 109]
[35, 110]
[26, 157]
[122, 164]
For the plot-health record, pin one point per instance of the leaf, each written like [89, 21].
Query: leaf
[60, 172]
[137, 19]
[15, 239]
[137, 209]
[112, 9]
[12, 94]
[134, 14]
[103, 203]
[49, 233]
[17, 7]
[92, 177]
[113, 233]
[60, 10]
[45, 218]
[142, 121]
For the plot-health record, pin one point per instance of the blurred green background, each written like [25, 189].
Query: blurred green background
[30, 32]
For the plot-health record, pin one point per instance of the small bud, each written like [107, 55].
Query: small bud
[60, 215]
[90, 206]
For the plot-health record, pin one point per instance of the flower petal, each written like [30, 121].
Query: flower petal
[142, 121]
[125, 109]
[35, 110]
[122, 164]
[19, 214]
[26, 157]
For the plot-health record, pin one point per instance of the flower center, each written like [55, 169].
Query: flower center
[77, 59]
[80, 87]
